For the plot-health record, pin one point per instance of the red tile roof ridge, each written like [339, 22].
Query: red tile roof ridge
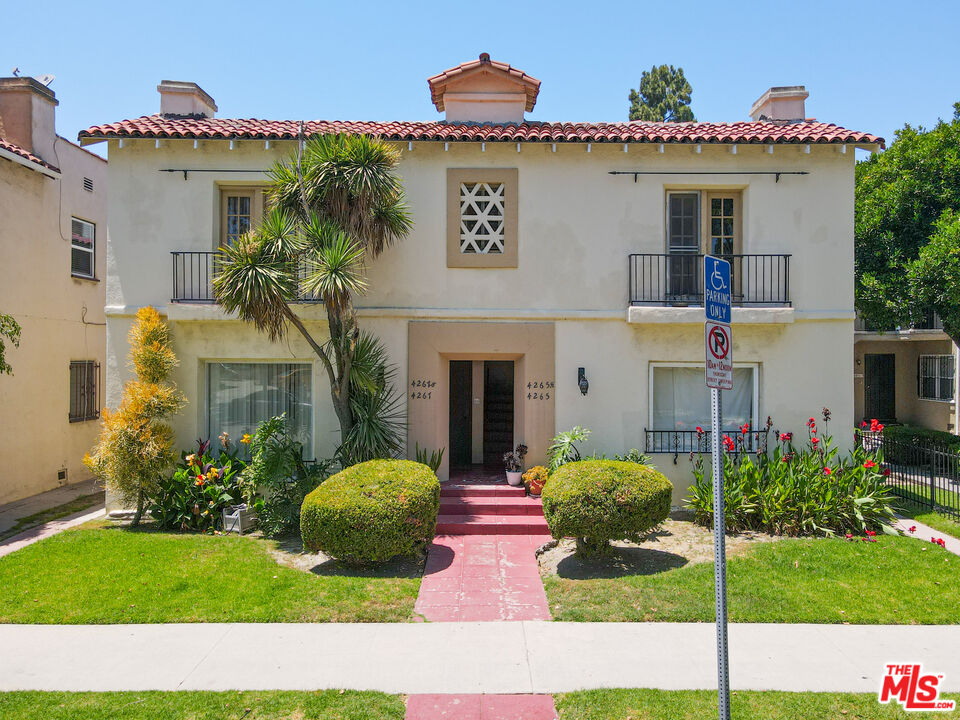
[748, 131]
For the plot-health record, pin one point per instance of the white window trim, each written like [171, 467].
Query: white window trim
[920, 377]
[755, 367]
[92, 250]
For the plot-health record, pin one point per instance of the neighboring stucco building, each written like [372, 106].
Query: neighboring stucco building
[906, 375]
[53, 201]
[541, 253]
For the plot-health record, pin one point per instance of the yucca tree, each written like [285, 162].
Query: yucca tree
[333, 207]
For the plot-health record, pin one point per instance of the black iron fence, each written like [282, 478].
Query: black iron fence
[193, 274]
[677, 279]
[686, 441]
[926, 475]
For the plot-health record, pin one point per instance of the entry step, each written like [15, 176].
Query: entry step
[487, 505]
[449, 489]
[465, 524]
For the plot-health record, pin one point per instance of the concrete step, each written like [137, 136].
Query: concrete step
[492, 525]
[449, 489]
[509, 505]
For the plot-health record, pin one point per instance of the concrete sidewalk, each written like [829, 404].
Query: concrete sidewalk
[506, 657]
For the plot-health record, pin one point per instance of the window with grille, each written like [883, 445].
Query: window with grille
[936, 377]
[482, 217]
[84, 385]
[82, 248]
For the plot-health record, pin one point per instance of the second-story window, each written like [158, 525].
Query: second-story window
[240, 211]
[82, 248]
[482, 218]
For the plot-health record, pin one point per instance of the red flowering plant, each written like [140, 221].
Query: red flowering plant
[201, 486]
[795, 489]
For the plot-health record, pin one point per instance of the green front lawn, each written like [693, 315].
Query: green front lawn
[105, 574]
[696, 705]
[329, 705]
[895, 580]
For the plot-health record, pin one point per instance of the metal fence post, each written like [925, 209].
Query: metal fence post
[933, 478]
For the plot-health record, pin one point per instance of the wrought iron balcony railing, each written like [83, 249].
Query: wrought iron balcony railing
[674, 442]
[677, 279]
[193, 274]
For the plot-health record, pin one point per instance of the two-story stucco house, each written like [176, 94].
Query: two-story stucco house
[552, 277]
[53, 229]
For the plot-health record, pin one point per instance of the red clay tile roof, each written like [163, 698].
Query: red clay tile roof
[759, 132]
[26, 154]
[438, 83]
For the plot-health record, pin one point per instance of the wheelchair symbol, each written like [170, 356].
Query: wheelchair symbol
[716, 279]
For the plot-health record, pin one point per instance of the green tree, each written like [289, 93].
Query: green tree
[9, 329]
[907, 198]
[135, 446]
[333, 207]
[663, 96]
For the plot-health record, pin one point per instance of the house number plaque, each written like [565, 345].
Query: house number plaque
[422, 389]
[539, 389]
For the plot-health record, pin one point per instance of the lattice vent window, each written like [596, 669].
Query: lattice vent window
[481, 218]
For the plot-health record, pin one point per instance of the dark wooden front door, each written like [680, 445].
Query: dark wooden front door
[461, 415]
[497, 410]
[879, 387]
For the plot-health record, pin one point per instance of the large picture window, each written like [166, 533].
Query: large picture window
[680, 402]
[936, 376]
[241, 395]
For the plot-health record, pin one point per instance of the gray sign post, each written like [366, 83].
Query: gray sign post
[718, 374]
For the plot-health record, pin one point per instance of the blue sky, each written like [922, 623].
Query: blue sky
[869, 66]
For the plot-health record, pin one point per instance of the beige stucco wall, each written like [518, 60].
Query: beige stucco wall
[576, 226]
[907, 349]
[36, 438]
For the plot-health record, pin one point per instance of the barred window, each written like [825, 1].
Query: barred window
[84, 386]
[82, 248]
[936, 376]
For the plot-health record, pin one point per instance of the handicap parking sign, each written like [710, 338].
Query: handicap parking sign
[716, 289]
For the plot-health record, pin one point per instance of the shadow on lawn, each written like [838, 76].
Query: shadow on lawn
[291, 548]
[620, 562]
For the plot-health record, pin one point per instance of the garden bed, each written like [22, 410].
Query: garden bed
[100, 574]
[894, 580]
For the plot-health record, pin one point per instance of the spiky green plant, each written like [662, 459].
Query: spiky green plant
[335, 205]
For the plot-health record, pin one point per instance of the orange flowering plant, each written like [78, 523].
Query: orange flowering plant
[201, 487]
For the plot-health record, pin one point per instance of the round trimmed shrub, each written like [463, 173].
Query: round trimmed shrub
[596, 501]
[372, 511]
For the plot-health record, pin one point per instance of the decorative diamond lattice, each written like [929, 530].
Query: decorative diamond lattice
[481, 218]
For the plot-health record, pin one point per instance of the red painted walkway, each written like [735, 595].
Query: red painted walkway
[480, 707]
[482, 564]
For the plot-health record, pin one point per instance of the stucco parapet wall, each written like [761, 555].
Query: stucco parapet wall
[692, 315]
[529, 314]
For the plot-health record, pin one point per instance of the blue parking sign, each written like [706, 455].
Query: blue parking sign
[716, 289]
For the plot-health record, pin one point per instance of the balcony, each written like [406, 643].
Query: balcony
[676, 280]
[193, 274]
[923, 320]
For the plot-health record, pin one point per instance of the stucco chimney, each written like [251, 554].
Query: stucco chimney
[484, 91]
[29, 112]
[781, 103]
[185, 98]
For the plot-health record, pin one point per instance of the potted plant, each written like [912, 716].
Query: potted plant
[513, 461]
[535, 478]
